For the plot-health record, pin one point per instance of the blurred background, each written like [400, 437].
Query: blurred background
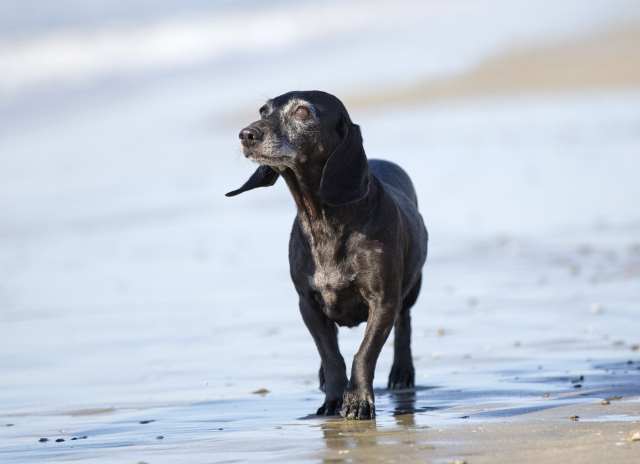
[127, 278]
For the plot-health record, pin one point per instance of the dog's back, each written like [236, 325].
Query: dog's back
[393, 175]
[397, 184]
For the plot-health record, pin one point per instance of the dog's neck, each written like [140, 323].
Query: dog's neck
[304, 189]
[313, 213]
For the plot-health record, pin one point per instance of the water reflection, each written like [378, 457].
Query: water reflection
[344, 439]
[368, 441]
[404, 408]
[358, 441]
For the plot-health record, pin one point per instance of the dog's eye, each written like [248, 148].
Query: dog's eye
[301, 112]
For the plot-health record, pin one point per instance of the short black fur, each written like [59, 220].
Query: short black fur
[358, 242]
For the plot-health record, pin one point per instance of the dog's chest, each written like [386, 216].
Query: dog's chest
[338, 294]
[330, 278]
[337, 265]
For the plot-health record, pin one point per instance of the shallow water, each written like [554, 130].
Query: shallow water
[138, 302]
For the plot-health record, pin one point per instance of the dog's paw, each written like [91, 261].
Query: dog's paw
[401, 377]
[358, 406]
[330, 408]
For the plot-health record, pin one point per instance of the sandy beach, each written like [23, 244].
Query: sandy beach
[604, 60]
[144, 317]
[600, 434]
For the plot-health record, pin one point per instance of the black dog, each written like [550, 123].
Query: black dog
[358, 242]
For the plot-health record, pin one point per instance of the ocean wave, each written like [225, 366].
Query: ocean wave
[78, 55]
[424, 35]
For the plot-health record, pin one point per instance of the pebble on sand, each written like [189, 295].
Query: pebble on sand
[261, 391]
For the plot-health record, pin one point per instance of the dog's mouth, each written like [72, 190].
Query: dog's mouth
[271, 158]
[268, 160]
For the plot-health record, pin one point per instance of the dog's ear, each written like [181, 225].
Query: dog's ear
[345, 177]
[264, 176]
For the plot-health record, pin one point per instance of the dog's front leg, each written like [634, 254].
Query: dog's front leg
[325, 335]
[358, 400]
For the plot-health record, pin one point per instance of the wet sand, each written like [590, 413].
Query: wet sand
[600, 434]
[537, 418]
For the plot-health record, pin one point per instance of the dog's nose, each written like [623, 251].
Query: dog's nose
[250, 135]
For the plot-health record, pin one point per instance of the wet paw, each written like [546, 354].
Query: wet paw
[401, 377]
[330, 408]
[357, 406]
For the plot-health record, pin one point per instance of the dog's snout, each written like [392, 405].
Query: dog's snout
[250, 135]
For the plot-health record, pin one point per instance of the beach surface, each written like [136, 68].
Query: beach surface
[144, 317]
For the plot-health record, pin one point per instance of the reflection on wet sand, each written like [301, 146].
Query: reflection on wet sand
[366, 441]
[405, 405]
[405, 408]
[358, 441]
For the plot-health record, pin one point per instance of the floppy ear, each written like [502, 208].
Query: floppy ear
[263, 177]
[345, 177]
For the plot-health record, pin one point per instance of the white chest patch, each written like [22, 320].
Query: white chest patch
[328, 280]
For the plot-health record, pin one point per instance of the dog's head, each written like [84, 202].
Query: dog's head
[308, 132]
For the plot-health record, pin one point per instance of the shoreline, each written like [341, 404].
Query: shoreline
[602, 61]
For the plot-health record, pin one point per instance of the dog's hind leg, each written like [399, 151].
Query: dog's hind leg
[333, 376]
[402, 373]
